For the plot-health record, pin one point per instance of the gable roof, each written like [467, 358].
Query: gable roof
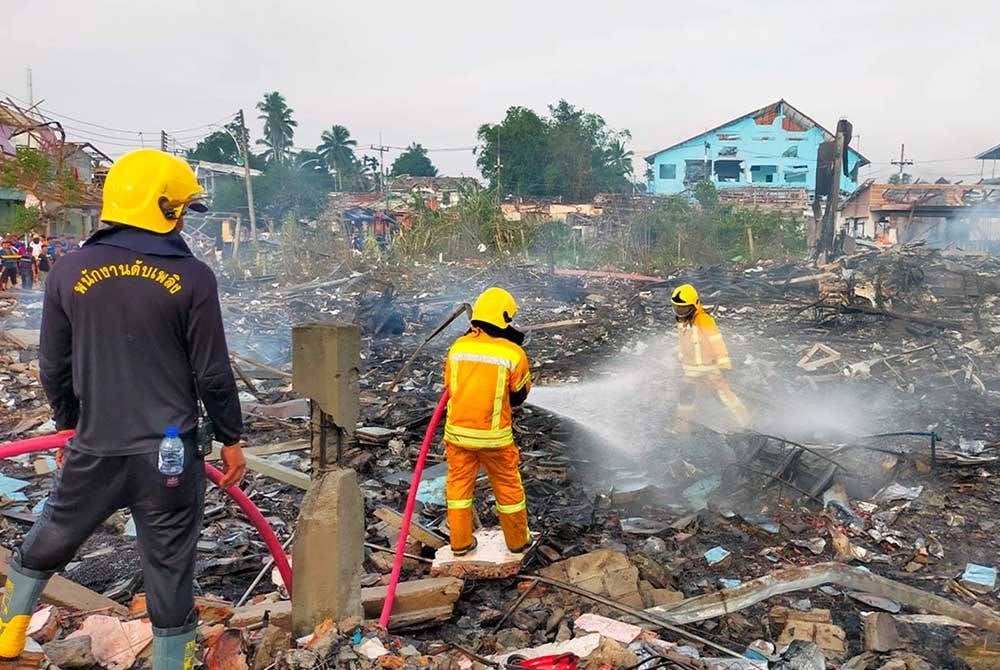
[772, 108]
[990, 154]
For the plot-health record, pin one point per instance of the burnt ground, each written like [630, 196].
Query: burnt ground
[610, 455]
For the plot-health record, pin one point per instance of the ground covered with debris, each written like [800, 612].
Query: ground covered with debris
[854, 528]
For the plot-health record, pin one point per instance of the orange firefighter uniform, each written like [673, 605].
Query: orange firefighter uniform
[486, 373]
[703, 357]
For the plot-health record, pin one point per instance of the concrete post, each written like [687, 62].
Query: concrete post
[329, 538]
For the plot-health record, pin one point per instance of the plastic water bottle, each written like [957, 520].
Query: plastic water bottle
[171, 459]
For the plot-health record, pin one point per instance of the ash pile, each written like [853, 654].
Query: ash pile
[852, 528]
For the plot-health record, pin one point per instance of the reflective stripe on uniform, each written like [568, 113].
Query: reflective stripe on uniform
[484, 349]
[460, 504]
[524, 381]
[498, 396]
[474, 438]
[483, 358]
[512, 509]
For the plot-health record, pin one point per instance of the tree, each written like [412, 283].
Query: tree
[50, 179]
[905, 178]
[520, 142]
[371, 175]
[337, 150]
[279, 127]
[572, 153]
[414, 162]
[220, 147]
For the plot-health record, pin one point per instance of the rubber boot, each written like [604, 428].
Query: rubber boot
[173, 651]
[21, 594]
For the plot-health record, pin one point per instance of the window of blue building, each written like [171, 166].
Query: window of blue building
[763, 174]
[796, 174]
[728, 171]
[668, 171]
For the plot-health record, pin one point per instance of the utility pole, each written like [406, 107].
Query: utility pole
[826, 234]
[381, 149]
[163, 141]
[902, 162]
[242, 145]
[499, 167]
[31, 89]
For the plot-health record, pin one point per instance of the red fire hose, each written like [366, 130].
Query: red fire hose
[57, 440]
[411, 499]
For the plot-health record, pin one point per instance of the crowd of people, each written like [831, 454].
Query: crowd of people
[24, 262]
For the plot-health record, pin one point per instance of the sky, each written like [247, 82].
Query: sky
[900, 71]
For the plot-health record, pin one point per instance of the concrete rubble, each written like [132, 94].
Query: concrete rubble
[655, 536]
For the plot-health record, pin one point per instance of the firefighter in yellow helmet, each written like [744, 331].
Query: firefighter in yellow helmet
[704, 357]
[486, 373]
[131, 338]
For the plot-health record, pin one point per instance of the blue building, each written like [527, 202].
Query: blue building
[774, 146]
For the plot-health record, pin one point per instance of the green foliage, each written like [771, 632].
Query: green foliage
[23, 220]
[460, 230]
[220, 147]
[414, 162]
[905, 178]
[703, 231]
[51, 181]
[337, 150]
[572, 153]
[279, 127]
[286, 189]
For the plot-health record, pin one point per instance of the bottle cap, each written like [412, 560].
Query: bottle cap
[172, 431]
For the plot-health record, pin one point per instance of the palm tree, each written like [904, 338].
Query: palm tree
[337, 149]
[279, 126]
[619, 159]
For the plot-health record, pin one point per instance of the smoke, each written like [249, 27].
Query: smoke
[629, 404]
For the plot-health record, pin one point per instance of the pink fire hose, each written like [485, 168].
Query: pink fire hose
[411, 499]
[57, 440]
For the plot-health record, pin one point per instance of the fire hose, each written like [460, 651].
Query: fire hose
[411, 499]
[58, 440]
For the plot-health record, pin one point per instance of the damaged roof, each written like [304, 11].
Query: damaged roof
[408, 183]
[990, 154]
[772, 110]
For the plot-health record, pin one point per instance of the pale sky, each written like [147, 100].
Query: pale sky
[909, 71]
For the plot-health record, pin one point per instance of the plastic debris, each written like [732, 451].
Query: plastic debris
[979, 578]
[716, 555]
[897, 491]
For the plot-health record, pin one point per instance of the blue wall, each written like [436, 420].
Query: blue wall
[760, 146]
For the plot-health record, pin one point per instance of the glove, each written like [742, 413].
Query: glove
[61, 451]
[234, 466]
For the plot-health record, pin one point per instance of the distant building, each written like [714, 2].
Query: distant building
[207, 173]
[990, 155]
[443, 192]
[774, 146]
[965, 214]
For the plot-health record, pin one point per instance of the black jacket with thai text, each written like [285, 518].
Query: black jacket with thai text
[131, 334]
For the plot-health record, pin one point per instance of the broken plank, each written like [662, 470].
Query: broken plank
[279, 472]
[727, 601]
[65, 593]
[419, 533]
[264, 449]
[565, 323]
[416, 601]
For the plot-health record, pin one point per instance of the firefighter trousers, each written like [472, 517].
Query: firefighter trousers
[693, 390]
[501, 467]
[168, 519]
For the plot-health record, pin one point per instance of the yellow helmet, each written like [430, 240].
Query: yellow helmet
[495, 306]
[685, 295]
[150, 189]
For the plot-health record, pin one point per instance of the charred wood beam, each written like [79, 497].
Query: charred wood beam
[780, 582]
